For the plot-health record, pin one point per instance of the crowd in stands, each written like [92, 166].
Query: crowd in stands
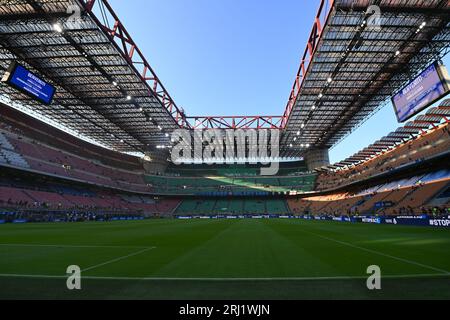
[116, 183]
[428, 145]
[424, 194]
[202, 185]
[233, 206]
[33, 145]
[65, 216]
[56, 198]
[286, 169]
[19, 149]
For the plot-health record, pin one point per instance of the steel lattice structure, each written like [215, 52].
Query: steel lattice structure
[350, 67]
[431, 120]
[95, 68]
[366, 65]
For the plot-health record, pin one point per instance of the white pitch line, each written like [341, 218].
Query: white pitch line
[407, 276]
[117, 259]
[445, 272]
[17, 245]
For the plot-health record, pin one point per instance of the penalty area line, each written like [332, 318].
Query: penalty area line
[411, 262]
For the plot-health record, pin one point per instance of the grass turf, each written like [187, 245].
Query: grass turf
[223, 259]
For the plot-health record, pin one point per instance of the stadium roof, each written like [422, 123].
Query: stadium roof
[352, 67]
[107, 91]
[433, 118]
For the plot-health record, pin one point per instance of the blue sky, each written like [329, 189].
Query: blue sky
[233, 57]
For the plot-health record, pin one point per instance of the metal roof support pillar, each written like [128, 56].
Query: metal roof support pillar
[317, 158]
[155, 162]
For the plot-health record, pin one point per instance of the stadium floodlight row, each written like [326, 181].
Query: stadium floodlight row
[348, 70]
[352, 68]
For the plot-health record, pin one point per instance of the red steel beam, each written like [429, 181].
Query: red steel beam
[278, 122]
[311, 47]
[119, 35]
[236, 122]
[130, 51]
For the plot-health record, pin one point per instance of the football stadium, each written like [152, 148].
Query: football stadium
[110, 190]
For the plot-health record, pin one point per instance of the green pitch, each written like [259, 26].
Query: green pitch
[223, 259]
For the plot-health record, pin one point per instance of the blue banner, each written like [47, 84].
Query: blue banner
[424, 220]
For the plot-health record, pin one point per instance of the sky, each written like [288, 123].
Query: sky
[233, 57]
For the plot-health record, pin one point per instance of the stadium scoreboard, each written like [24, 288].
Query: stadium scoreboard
[430, 86]
[29, 83]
